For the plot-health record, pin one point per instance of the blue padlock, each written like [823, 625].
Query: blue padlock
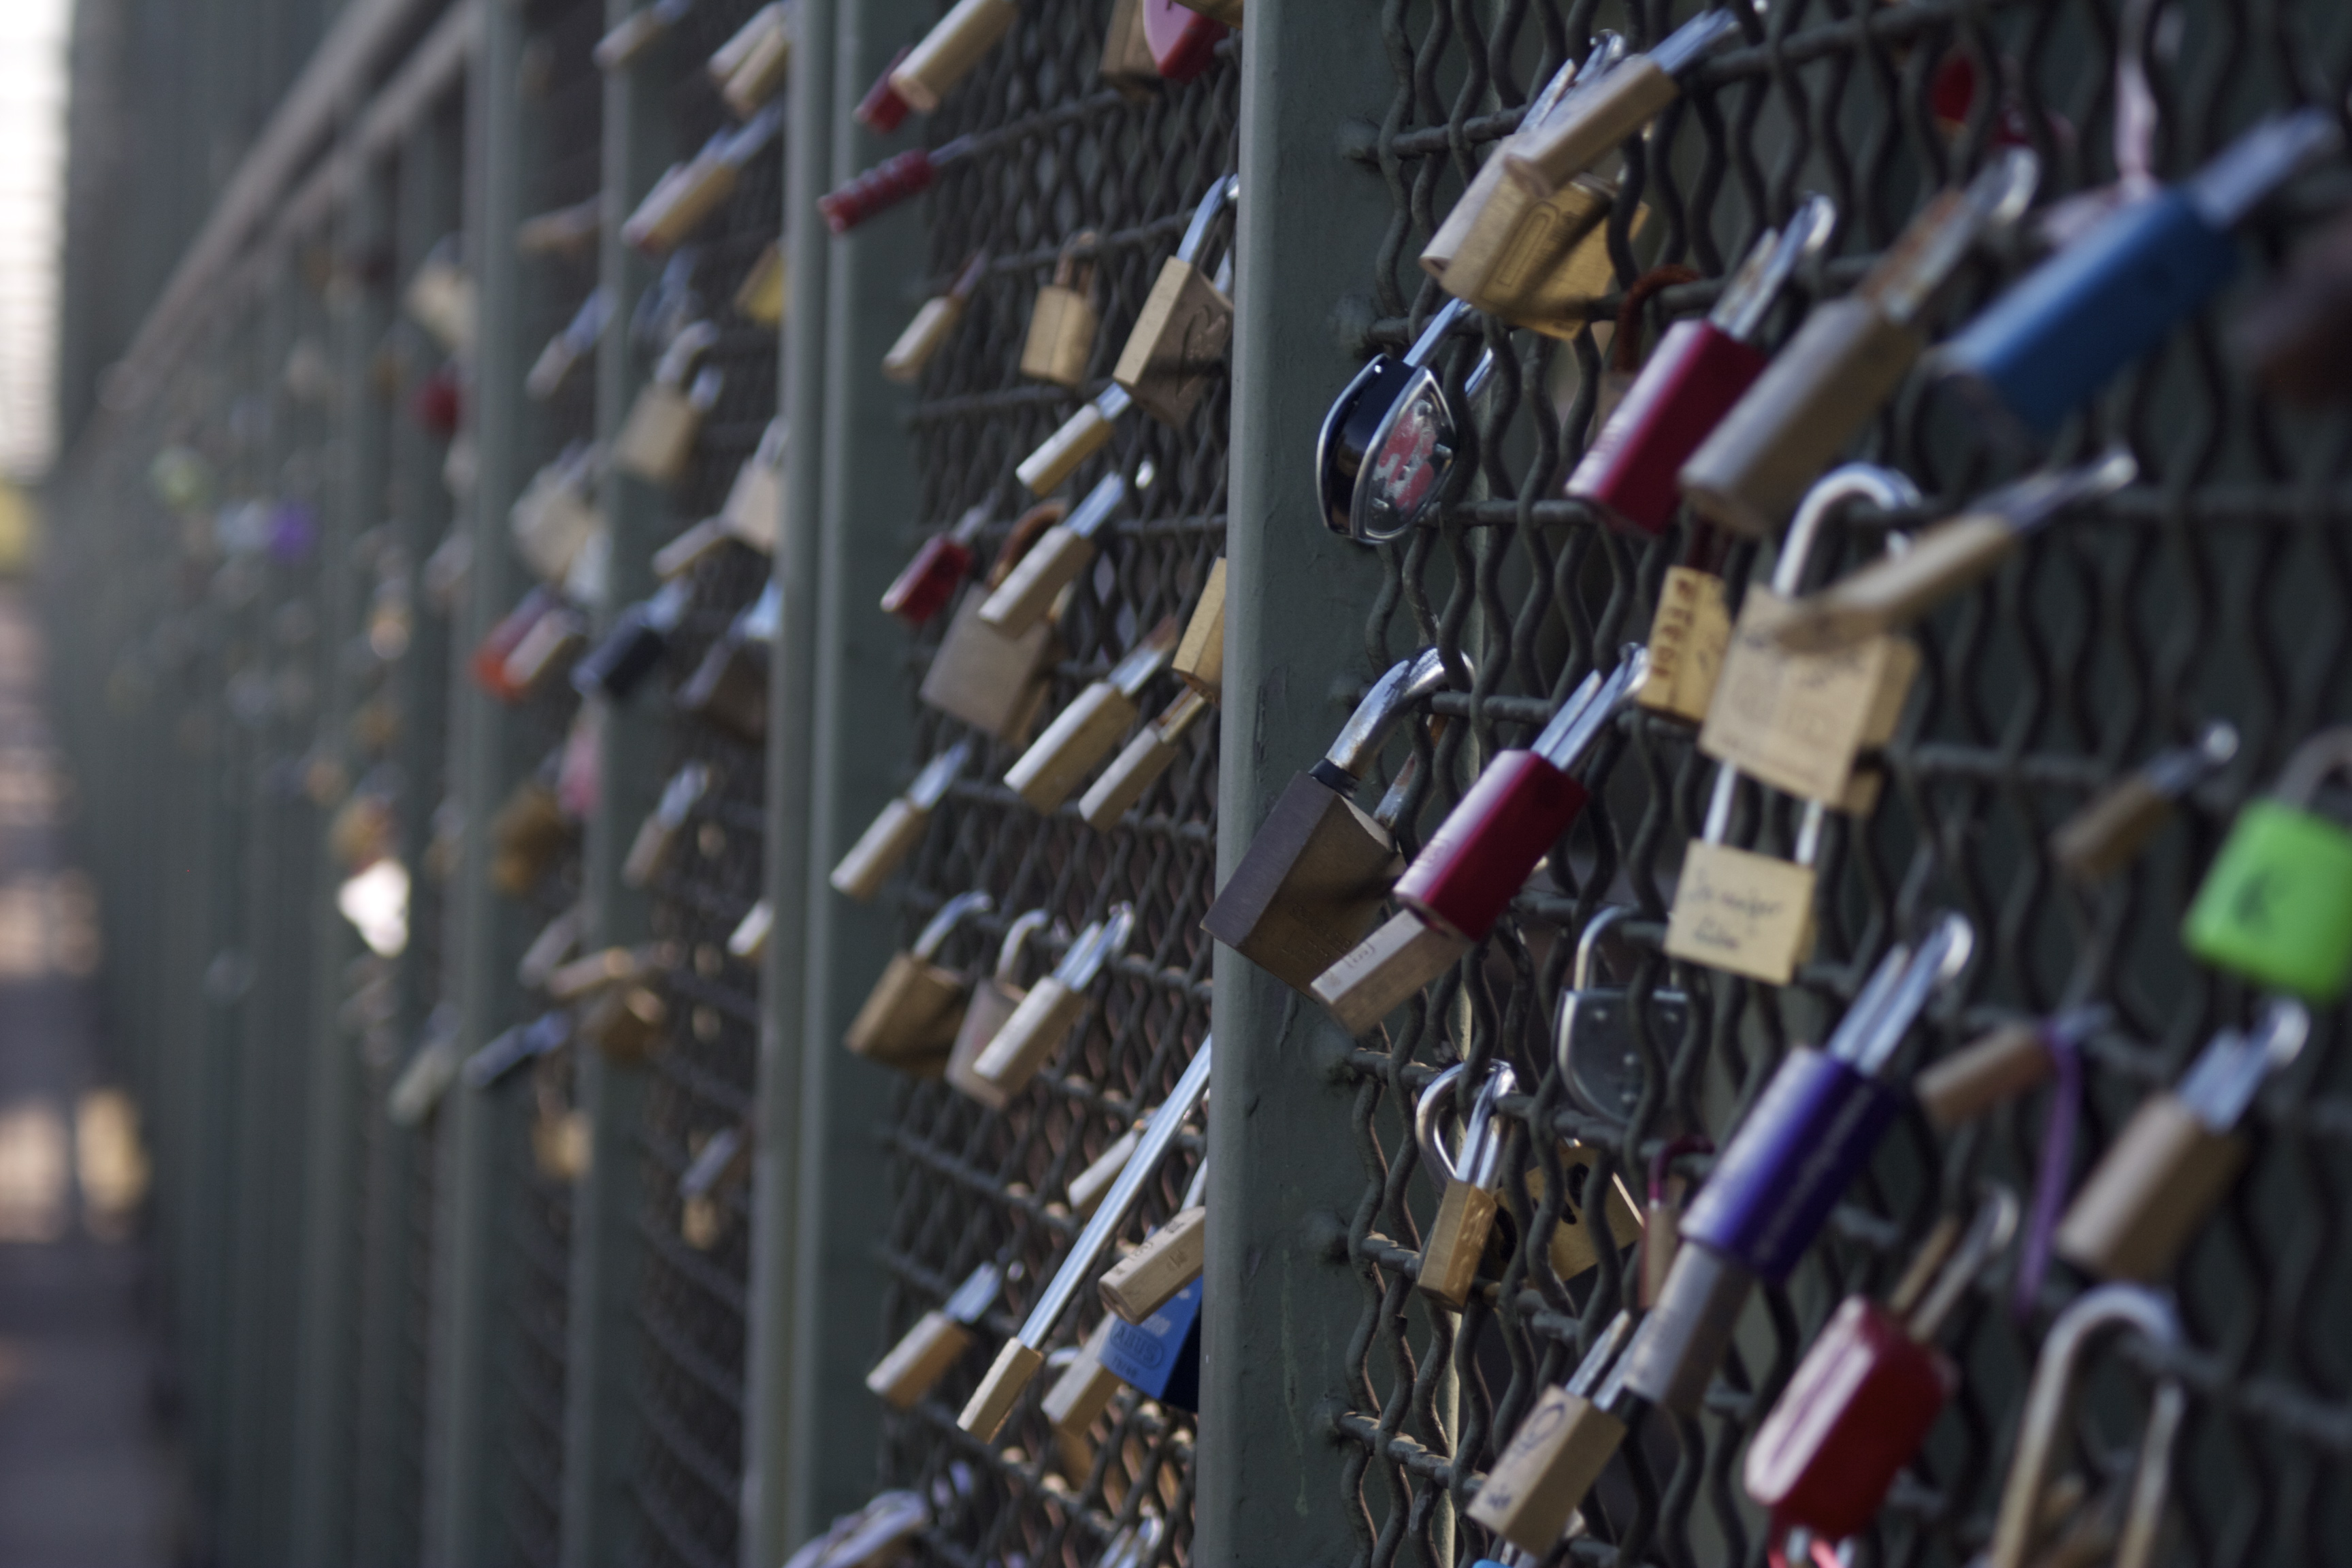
[2050, 344]
[1160, 1359]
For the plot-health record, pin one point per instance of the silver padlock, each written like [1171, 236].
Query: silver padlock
[1599, 1060]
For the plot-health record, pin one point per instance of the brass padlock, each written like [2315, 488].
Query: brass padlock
[658, 836]
[1082, 734]
[721, 1161]
[754, 508]
[1062, 322]
[527, 835]
[1662, 1215]
[1563, 1442]
[934, 324]
[2108, 833]
[1021, 598]
[1999, 1066]
[562, 1146]
[1456, 1237]
[1604, 113]
[550, 644]
[1127, 62]
[1800, 721]
[764, 295]
[1742, 910]
[1135, 770]
[1090, 1185]
[688, 193]
[1054, 1007]
[1310, 884]
[585, 977]
[625, 1022]
[2142, 1204]
[992, 1005]
[657, 439]
[1386, 970]
[749, 67]
[1200, 661]
[555, 519]
[1847, 359]
[749, 940]
[948, 52]
[992, 680]
[567, 349]
[1081, 1394]
[1571, 1250]
[939, 1339]
[1149, 1278]
[729, 687]
[1186, 322]
[911, 1017]
[893, 835]
[1689, 635]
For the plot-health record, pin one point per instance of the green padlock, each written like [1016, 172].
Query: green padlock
[2277, 905]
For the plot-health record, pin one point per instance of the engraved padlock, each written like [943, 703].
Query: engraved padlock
[956, 43]
[1742, 910]
[632, 649]
[893, 834]
[2064, 330]
[1860, 1404]
[1593, 1039]
[2177, 1156]
[1200, 661]
[993, 1002]
[2124, 1527]
[1181, 333]
[1140, 766]
[1456, 1237]
[993, 681]
[913, 1366]
[658, 834]
[1054, 1007]
[1847, 359]
[909, 1019]
[1389, 439]
[1062, 321]
[1386, 970]
[1310, 884]
[933, 324]
[1083, 734]
[729, 687]
[1800, 721]
[1566, 1439]
[1690, 632]
[1817, 1123]
[657, 441]
[1062, 551]
[1169, 1258]
[2276, 905]
[2111, 829]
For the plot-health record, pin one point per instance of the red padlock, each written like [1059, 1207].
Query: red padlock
[489, 664]
[1697, 372]
[1465, 875]
[1862, 1401]
[1183, 41]
[939, 567]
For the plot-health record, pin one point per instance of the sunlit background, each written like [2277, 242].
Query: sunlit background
[32, 36]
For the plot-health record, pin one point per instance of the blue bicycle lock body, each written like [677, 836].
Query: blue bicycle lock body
[2048, 345]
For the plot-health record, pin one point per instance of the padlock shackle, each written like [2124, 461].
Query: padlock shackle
[2032, 501]
[1987, 1236]
[1096, 945]
[1482, 1145]
[710, 1163]
[1393, 695]
[1087, 518]
[942, 925]
[2328, 752]
[2238, 177]
[677, 796]
[2107, 1309]
[1897, 990]
[1592, 708]
[2175, 773]
[1808, 847]
[693, 340]
[1588, 944]
[1435, 332]
[1928, 250]
[1132, 673]
[930, 785]
[1885, 489]
[1607, 1347]
[1016, 940]
[975, 1295]
[2232, 1067]
[1196, 1191]
[1079, 249]
[1740, 311]
[1196, 233]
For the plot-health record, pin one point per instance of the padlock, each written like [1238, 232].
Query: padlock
[895, 179]
[899, 828]
[1063, 320]
[638, 32]
[928, 582]
[987, 679]
[567, 233]
[597, 972]
[1387, 968]
[1389, 441]
[1571, 1250]
[2000, 1064]
[527, 835]
[1309, 885]
[749, 940]
[914, 1366]
[512, 1048]
[1597, 120]
[657, 836]
[1662, 1215]
[2177, 1157]
[625, 1023]
[1593, 1037]
[882, 111]
[1566, 1439]
[2276, 905]
[876, 1536]
[934, 324]
[1456, 1237]
[955, 44]
[1800, 721]
[688, 193]
[729, 687]
[1127, 64]
[1088, 1186]
[2133, 1516]
[764, 296]
[1183, 38]
[1691, 631]
[1161, 1360]
[909, 1019]
[1067, 548]
[556, 942]
[749, 68]
[1480, 856]
[577, 342]
[1169, 1258]
[1053, 1006]
[1200, 661]
[2048, 344]
[1847, 359]
[442, 297]
[429, 1071]
[1816, 1125]
[1080, 1394]
[1138, 767]
[993, 1002]
[657, 439]
[2108, 833]
[1741, 910]
[1083, 735]
[720, 1162]
[555, 519]
[553, 641]
[1186, 322]
[1697, 372]
[754, 508]
[561, 1143]
[1858, 1406]
[1017, 1362]
[632, 649]
[1955, 554]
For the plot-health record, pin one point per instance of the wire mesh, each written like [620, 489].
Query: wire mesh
[2211, 587]
[1060, 153]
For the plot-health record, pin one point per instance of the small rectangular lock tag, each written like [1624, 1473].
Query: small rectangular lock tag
[1385, 969]
[1798, 721]
[1689, 637]
[1743, 913]
[1542, 1477]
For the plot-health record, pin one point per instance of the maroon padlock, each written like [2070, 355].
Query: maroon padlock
[1863, 1399]
[1465, 875]
[1697, 372]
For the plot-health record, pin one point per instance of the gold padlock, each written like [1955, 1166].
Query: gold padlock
[1689, 633]
[1082, 1393]
[1185, 324]
[2108, 833]
[1063, 321]
[1386, 970]
[763, 296]
[749, 940]
[992, 680]
[937, 1341]
[1082, 734]
[993, 1002]
[1999, 1066]
[1127, 62]
[688, 193]
[893, 835]
[627, 1022]
[1740, 911]
[1608, 110]
[658, 836]
[1067, 548]
[1561, 1445]
[948, 52]
[729, 687]
[554, 520]
[911, 1017]
[584, 977]
[1571, 1250]
[1456, 1237]
[1150, 1276]
[441, 298]
[1078, 437]
[658, 438]
[527, 835]
[1054, 1007]
[754, 508]
[1199, 661]
[934, 324]
[749, 68]
[1135, 770]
